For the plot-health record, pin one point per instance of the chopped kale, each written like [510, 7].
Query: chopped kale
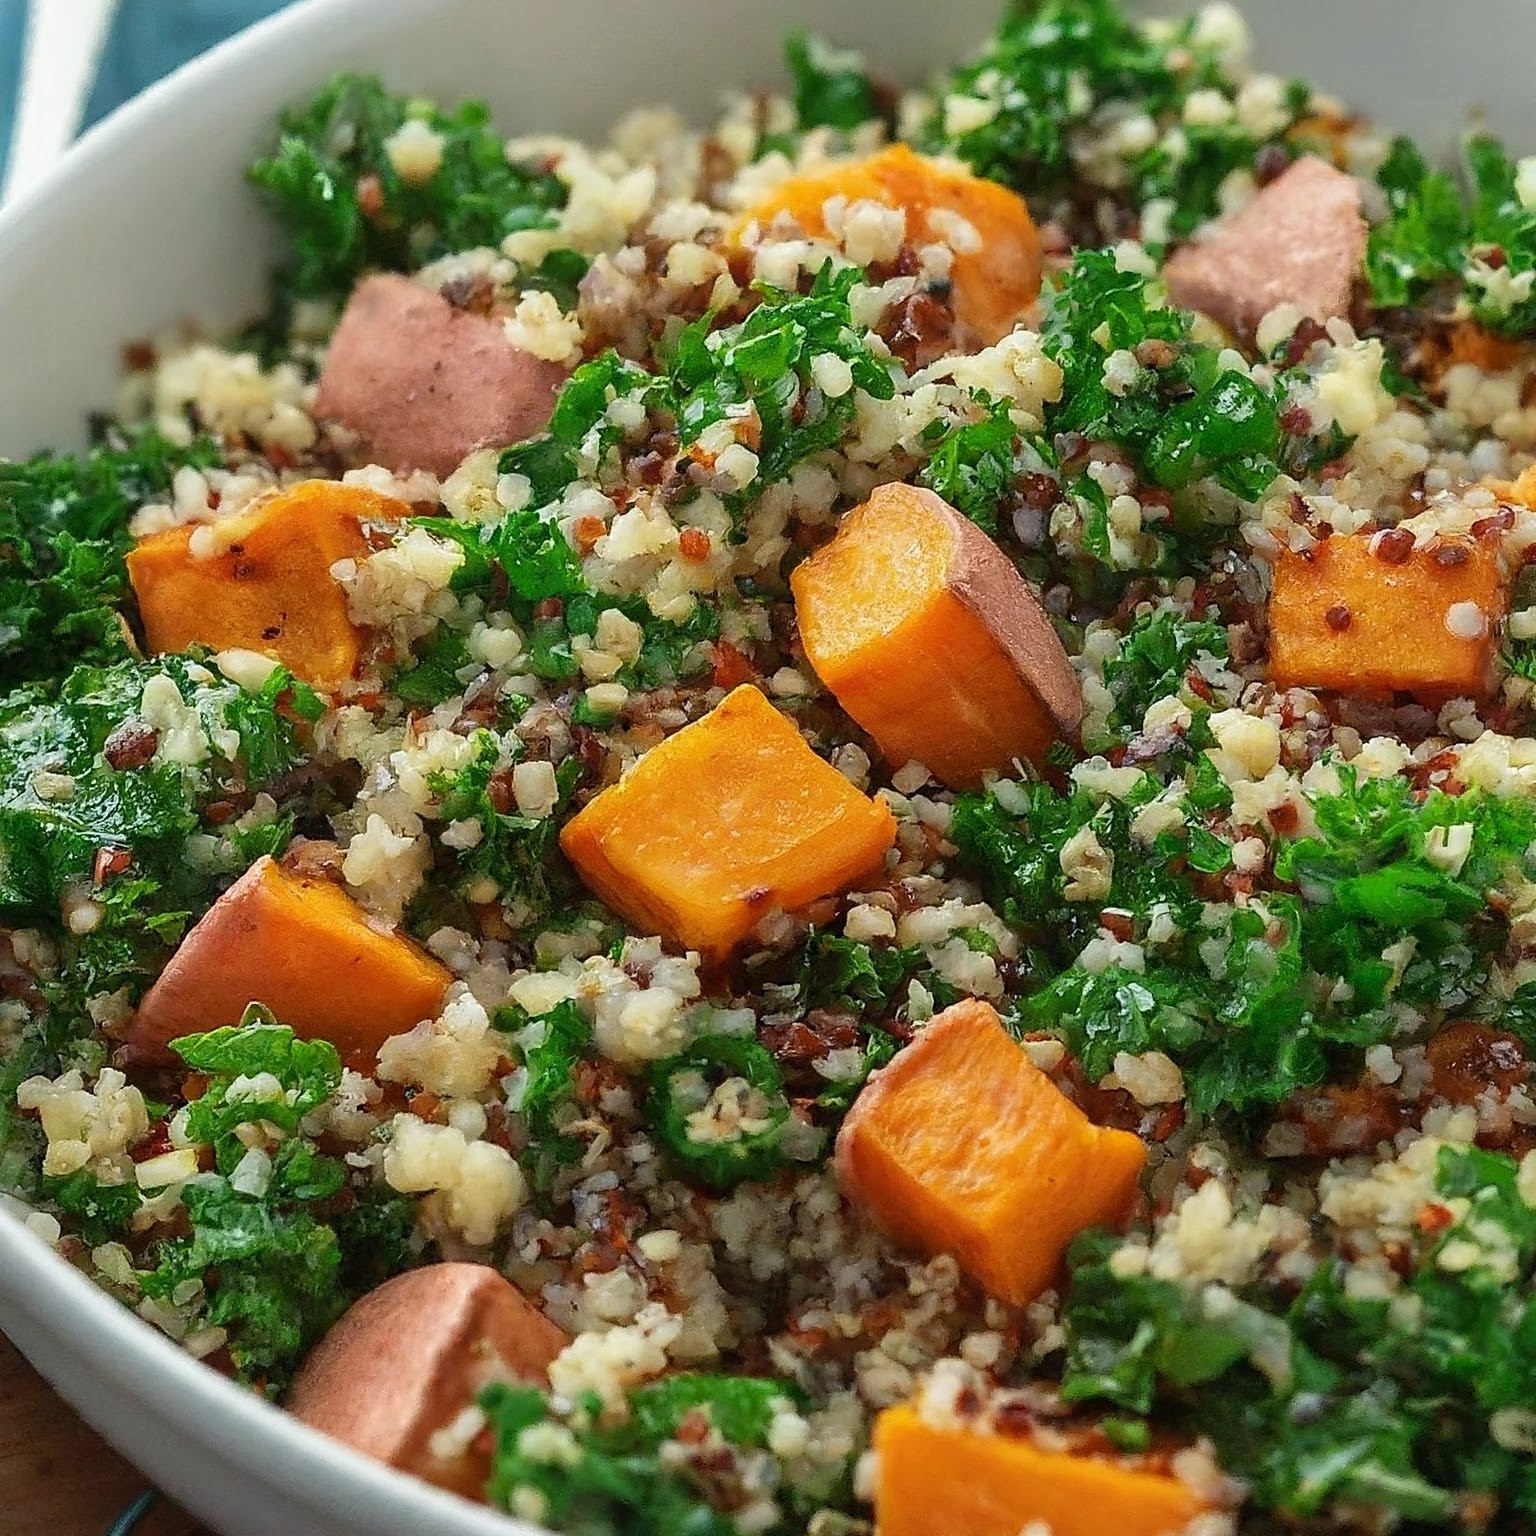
[551, 1047]
[1153, 663]
[301, 1075]
[282, 1248]
[1187, 418]
[832, 85]
[612, 1479]
[1024, 112]
[515, 852]
[862, 978]
[1252, 1004]
[1331, 1400]
[1472, 252]
[346, 208]
[758, 370]
[63, 534]
[973, 467]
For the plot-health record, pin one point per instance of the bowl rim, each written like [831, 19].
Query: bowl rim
[38, 1286]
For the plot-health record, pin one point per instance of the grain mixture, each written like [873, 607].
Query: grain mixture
[886, 838]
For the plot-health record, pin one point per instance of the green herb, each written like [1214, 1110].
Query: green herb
[303, 1074]
[1153, 663]
[1440, 247]
[346, 209]
[1329, 1400]
[832, 85]
[717, 1155]
[973, 467]
[862, 978]
[271, 1266]
[515, 852]
[1035, 94]
[760, 367]
[551, 1046]
[63, 534]
[281, 1255]
[613, 1479]
[1185, 420]
[1254, 1002]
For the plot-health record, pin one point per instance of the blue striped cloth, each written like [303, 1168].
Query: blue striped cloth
[145, 40]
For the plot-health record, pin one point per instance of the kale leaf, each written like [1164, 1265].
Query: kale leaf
[1154, 661]
[832, 85]
[346, 207]
[973, 467]
[1471, 252]
[1329, 1400]
[1025, 111]
[63, 534]
[613, 1478]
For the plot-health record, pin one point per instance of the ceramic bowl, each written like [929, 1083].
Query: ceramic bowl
[148, 222]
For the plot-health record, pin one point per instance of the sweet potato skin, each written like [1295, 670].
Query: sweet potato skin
[963, 1482]
[1301, 241]
[1368, 614]
[995, 286]
[268, 585]
[961, 1145]
[424, 384]
[302, 947]
[722, 822]
[406, 1360]
[963, 683]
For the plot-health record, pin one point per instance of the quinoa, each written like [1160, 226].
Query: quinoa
[1277, 922]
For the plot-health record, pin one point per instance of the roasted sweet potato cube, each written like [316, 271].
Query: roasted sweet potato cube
[1373, 614]
[306, 950]
[929, 637]
[963, 1146]
[996, 271]
[406, 1361]
[728, 819]
[261, 581]
[955, 1480]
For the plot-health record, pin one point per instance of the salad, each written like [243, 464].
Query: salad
[824, 824]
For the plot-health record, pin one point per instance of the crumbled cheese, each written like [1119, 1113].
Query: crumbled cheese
[1088, 866]
[474, 1187]
[415, 149]
[182, 738]
[86, 1126]
[453, 1056]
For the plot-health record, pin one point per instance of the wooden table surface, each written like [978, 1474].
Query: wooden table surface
[57, 1477]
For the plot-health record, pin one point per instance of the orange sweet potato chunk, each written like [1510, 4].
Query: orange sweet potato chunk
[305, 949]
[265, 585]
[996, 272]
[410, 1357]
[963, 1146]
[731, 817]
[938, 1481]
[929, 637]
[1370, 614]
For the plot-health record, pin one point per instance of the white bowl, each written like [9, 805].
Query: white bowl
[148, 222]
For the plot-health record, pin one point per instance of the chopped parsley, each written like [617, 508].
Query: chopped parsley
[973, 466]
[1153, 663]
